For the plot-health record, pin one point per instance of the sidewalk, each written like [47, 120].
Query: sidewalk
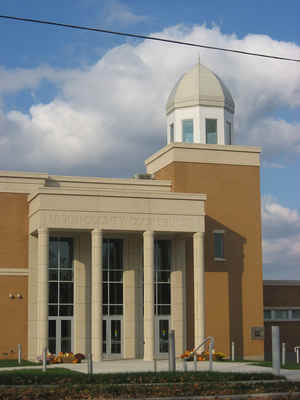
[162, 365]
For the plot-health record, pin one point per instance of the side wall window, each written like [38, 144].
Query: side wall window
[218, 245]
[188, 131]
[211, 131]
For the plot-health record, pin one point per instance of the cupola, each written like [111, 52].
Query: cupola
[200, 109]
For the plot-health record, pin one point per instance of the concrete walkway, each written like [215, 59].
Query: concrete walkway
[162, 365]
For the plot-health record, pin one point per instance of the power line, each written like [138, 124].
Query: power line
[134, 35]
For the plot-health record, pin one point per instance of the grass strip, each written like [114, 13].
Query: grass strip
[67, 392]
[14, 363]
[269, 365]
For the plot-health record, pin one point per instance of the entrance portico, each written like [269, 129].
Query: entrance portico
[132, 225]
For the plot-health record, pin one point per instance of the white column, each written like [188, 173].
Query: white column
[148, 295]
[130, 283]
[199, 288]
[96, 295]
[42, 290]
[178, 317]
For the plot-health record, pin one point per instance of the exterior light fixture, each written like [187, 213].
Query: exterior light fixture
[19, 296]
[11, 296]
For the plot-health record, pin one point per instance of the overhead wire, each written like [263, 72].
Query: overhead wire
[146, 37]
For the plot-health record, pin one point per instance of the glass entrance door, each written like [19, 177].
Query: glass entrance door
[112, 337]
[162, 325]
[60, 335]
[162, 295]
[112, 298]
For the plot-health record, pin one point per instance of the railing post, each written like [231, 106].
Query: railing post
[283, 353]
[44, 359]
[19, 354]
[210, 349]
[195, 361]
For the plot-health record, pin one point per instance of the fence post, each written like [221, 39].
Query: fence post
[155, 364]
[232, 351]
[19, 354]
[283, 353]
[275, 350]
[90, 364]
[44, 359]
[184, 365]
[296, 349]
[172, 362]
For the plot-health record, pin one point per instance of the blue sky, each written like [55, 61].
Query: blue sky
[74, 102]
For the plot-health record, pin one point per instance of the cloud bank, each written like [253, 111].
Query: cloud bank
[114, 110]
[281, 243]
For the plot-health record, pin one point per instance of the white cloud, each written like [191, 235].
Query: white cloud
[18, 79]
[281, 243]
[119, 13]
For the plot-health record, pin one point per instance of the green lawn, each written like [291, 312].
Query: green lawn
[269, 364]
[14, 363]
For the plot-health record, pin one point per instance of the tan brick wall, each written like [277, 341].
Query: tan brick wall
[13, 230]
[234, 301]
[13, 254]
[13, 316]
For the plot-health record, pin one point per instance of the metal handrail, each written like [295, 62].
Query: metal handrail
[209, 338]
[211, 341]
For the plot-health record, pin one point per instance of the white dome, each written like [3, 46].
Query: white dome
[200, 87]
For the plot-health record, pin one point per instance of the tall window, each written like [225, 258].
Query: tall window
[172, 133]
[61, 294]
[228, 132]
[188, 130]
[219, 245]
[61, 286]
[112, 277]
[211, 131]
[162, 288]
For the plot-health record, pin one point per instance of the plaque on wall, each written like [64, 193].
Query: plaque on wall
[257, 332]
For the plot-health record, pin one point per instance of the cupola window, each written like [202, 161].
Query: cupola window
[211, 131]
[228, 132]
[171, 133]
[188, 130]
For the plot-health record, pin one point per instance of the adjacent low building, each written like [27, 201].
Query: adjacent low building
[282, 308]
[111, 265]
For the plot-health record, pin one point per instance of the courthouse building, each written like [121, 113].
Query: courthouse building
[111, 265]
